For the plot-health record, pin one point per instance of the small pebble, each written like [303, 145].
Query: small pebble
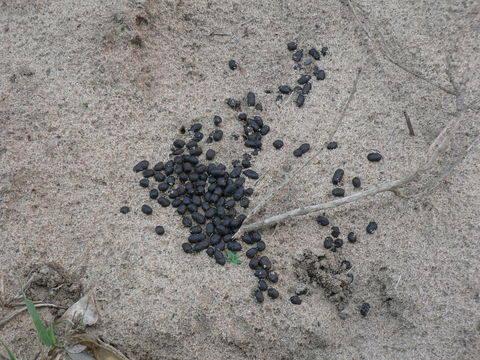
[356, 182]
[251, 99]
[365, 309]
[332, 145]
[297, 56]
[295, 300]
[314, 53]
[273, 293]
[337, 176]
[159, 230]
[285, 89]
[124, 209]
[372, 227]
[352, 237]
[147, 210]
[232, 64]
[278, 144]
[259, 296]
[217, 120]
[322, 220]
[292, 46]
[338, 192]
[374, 157]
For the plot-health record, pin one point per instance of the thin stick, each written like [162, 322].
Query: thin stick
[247, 21]
[409, 124]
[19, 311]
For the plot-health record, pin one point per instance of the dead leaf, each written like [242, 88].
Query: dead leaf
[100, 349]
[84, 310]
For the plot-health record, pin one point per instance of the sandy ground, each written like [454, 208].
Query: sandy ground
[89, 88]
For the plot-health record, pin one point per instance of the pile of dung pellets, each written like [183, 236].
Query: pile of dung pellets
[210, 197]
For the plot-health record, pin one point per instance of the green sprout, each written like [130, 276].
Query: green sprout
[46, 334]
[9, 352]
[233, 258]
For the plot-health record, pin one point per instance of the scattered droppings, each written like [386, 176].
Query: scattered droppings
[159, 230]
[322, 220]
[352, 237]
[365, 309]
[297, 56]
[356, 182]
[232, 64]
[295, 300]
[337, 176]
[292, 46]
[372, 227]
[339, 192]
[374, 157]
[124, 209]
[332, 145]
[147, 210]
[278, 144]
[314, 53]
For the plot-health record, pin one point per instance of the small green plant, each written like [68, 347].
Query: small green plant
[46, 334]
[9, 353]
[233, 258]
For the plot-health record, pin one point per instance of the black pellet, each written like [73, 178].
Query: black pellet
[253, 264]
[142, 165]
[272, 276]
[332, 145]
[198, 218]
[335, 231]
[259, 107]
[196, 127]
[322, 220]
[285, 89]
[147, 210]
[148, 173]
[297, 153]
[196, 238]
[153, 194]
[295, 300]
[356, 182]
[171, 180]
[176, 203]
[186, 221]
[273, 293]
[251, 99]
[352, 237]
[365, 309]
[291, 46]
[247, 239]
[232, 64]
[251, 253]
[182, 209]
[324, 51]
[233, 103]
[251, 174]
[304, 148]
[372, 227]
[304, 79]
[346, 264]
[260, 273]
[265, 263]
[338, 243]
[187, 248]
[159, 230]
[163, 186]
[219, 258]
[234, 246]
[195, 229]
[217, 135]
[264, 130]
[196, 151]
[300, 100]
[328, 242]
[278, 144]
[338, 192]
[244, 202]
[215, 239]
[217, 120]
[210, 251]
[319, 74]
[374, 157]
[297, 56]
[314, 53]
[306, 88]
[124, 209]
[178, 151]
[259, 296]
[260, 246]
[159, 166]
[256, 237]
[337, 176]
[179, 143]
[242, 116]
[248, 192]
[144, 182]
[262, 285]
[210, 154]
[202, 245]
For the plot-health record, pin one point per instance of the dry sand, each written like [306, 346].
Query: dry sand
[81, 103]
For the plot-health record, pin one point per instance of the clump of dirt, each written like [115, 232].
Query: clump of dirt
[51, 283]
[326, 271]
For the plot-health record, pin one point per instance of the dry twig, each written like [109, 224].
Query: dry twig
[19, 311]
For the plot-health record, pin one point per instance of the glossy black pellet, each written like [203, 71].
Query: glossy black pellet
[142, 165]
[365, 309]
[196, 127]
[215, 239]
[251, 99]
[272, 276]
[251, 174]
[196, 238]
[297, 153]
[337, 176]
[217, 135]
[265, 263]
[372, 227]
[374, 157]
[251, 253]
[186, 221]
[338, 192]
[314, 53]
[163, 186]
[319, 74]
[335, 231]
[195, 229]
[253, 264]
[322, 220]
[210, 251]
[202, 245]
[261, 246]
[338, 243]
[352, 237]
[147, 210]
[144, 182]
[332, 145]
[259, 107]
[295, 300]
[176, 203]
[198, 218]
[356, 182]
[182, 209]
[300, 100]
[153, 194]
[179, 143]
[219, 257]
[210, 154]
[259, 296]
[304, 148]
[262, 285]
[244, 202]
[148, 173]
[187, 248]
[260, 273]
[242, 116]
[278, 144]
[328, 242]
[297, 56]
[232, 64]
[234, 246]
[256, 237]
[273, 293]
[306, 88]
[304, 79]
[159, 166]
[159, 230]
[324, 51]
[291, 46]
[217, 120]
[285, 89]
